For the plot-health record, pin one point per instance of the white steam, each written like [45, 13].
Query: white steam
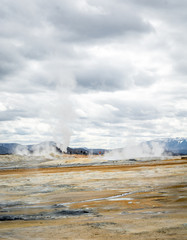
[63, 109]
[65, 116]
[44, 149]
[59, 112]
[137, 151]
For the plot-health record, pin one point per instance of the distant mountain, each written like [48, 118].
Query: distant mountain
[4, 150]
[171, 146]
[41, 148]
[176, 146]
[8, 148]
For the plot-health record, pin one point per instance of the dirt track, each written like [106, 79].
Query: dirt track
[141, 200]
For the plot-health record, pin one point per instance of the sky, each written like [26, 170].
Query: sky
[92, 73]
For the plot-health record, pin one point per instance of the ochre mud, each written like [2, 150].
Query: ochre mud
[143, 200]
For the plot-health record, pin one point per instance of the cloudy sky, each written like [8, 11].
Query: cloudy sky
[95, 72]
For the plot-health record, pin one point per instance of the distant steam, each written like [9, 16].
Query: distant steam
[143, 150]
[44, 149]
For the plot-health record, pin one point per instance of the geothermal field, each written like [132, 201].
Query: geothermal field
[86, 197]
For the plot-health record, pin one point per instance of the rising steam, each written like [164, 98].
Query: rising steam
[64, 111]
[44, 149]
[131, 151]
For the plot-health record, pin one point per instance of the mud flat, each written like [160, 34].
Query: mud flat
[86, 198]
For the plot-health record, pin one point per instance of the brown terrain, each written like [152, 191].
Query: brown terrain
[89, 198]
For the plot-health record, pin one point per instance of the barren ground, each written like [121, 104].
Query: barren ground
[95, 199]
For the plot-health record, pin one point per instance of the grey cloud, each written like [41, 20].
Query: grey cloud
[22, 131]
[19, 15]
[171, 12]
[43, 83]
[23, 85]
[36, 30]
[6, 132]
[10, 59]
[78, 24]
[13, 114]
[182, 114]
[181, 68]
[105, 77]
[10, 115]
[17, 23]
[102, 78]
[115, 112]
[150, 3]
[70, 19]
[161, 3]
[144, 79]
[133, 110]
[138, 111]
[179, 56]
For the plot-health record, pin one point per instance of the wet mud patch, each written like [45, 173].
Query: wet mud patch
[45, 215]
[10, 204]
[100, 224]
[70, 187]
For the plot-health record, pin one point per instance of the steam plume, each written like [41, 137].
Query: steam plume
[64, 110]
[143, 150]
